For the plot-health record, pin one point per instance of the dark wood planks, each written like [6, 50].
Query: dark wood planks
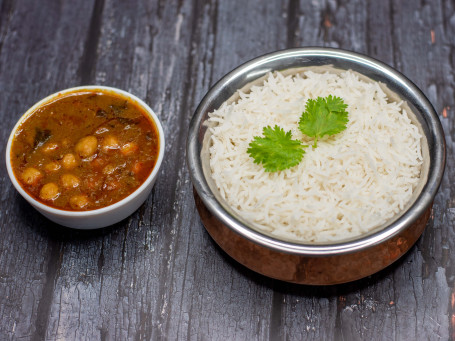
[36, 59]
[158, 274]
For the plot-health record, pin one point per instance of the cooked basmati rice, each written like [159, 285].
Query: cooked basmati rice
[350, 184]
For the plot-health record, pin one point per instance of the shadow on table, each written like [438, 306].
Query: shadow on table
[39, 224]
[57, 234]
[313, 290]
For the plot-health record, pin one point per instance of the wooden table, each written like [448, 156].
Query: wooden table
[157, 274]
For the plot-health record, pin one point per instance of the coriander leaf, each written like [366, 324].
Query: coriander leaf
[276, 150]
[336, 104]
[323, 116]
[41, 136]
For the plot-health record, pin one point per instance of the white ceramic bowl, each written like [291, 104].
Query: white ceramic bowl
[101, 217]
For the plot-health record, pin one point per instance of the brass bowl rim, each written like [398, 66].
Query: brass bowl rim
[258, 67]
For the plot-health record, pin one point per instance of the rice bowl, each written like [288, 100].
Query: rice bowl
[317, 263]
[348, 186]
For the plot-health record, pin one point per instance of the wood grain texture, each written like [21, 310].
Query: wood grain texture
[157, 274]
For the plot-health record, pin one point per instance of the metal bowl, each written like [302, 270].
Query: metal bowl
[316, 264]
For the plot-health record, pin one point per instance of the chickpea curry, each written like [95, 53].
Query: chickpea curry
[84, 150]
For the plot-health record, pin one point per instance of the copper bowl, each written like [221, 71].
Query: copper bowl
[316, 264]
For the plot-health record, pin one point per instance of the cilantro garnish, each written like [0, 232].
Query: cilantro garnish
[276, 150]
[323, 116]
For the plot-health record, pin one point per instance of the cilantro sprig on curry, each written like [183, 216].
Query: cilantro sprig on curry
[85, 150]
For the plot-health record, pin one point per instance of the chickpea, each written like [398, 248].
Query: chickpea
[52, 167]
[129, 148]
[69, 181]
[86, 146]
[69, 161]
[49, 191]
[31, 176]
[110, 142]
[78, 202]
[49, 147]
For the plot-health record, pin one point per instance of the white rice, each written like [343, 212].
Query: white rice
[350, 184]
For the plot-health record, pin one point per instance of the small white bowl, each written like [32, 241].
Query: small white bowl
[101, 217]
